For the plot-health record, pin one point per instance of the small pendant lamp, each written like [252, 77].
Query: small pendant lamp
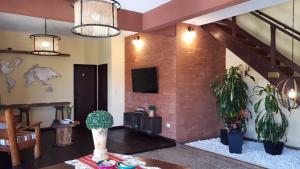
[45, 44]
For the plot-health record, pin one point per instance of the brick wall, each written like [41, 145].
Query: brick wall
[158, 51]
[185, 71]
[198, 62]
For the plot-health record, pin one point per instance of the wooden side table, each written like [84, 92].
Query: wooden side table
[25, 109]
[64, 133]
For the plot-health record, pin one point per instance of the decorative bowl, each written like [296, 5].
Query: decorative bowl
[127, 165]
[106, 164]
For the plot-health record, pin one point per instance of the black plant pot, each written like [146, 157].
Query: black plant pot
[272, 148]
[224, 136]
[235, 140]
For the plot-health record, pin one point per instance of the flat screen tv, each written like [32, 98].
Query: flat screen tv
[144, 80]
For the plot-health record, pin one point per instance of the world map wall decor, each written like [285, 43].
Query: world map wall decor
[6, 69]
[35, 73]
[42, 75]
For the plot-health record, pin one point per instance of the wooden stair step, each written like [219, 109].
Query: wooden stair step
[225, 28]
[258, 50]
[248, 42]
[286, 70]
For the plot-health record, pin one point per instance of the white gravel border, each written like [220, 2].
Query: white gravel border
[253, 153]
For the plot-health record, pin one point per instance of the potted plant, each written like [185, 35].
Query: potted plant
[68, 109]
[270, 123]
[99, 122]
[232, 99]
[151, 110]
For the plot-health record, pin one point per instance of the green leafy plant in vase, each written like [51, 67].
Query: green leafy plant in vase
[99, 122]
[270, 123]
[68, 109]
[232, 99]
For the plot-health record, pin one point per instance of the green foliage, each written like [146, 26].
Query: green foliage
[151, 107]
[268, 126]
[231, 93]
[99, 119]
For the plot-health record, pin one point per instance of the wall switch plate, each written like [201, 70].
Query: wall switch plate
[168, 125]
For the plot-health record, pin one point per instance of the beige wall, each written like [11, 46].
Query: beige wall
[261, 30]
[115, 58]
[293, 134]
[83, 51]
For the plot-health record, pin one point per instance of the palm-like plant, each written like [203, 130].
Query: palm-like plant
[268, 126]
[232, 97]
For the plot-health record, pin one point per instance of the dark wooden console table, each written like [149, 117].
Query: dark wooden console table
[144, 123]
[25, 108]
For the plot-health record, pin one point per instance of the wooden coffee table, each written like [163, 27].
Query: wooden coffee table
[149, 162]
[64, 133]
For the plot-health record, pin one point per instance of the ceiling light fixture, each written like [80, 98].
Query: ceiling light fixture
[289, 95]
[44, 44]
[96, 18]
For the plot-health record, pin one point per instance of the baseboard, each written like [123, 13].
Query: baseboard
[117, 127]
[153, 135]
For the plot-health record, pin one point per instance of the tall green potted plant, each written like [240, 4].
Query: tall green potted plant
[270, 123]
[99, 122]
[232, 99]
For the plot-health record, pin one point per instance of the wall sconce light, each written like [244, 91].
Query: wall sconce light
[189, 34]
[137, 42]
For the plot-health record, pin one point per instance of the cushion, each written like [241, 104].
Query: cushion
[22, 136]
[2, 126]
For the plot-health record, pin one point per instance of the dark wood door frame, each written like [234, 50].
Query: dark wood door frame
[102, 87]
[89, 97]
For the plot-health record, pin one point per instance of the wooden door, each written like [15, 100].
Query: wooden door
[85, 91]
[102, 87]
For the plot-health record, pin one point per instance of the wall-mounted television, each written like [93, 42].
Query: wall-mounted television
[144, 80]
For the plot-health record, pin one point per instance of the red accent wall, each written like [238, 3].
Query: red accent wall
[185, 71]
[158, 51]
[197, 64]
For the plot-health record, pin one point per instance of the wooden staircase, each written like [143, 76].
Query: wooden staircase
[265, 59]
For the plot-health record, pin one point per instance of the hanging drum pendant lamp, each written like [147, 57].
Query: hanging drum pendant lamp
[289, 89]
[96, 18]
[44, 44]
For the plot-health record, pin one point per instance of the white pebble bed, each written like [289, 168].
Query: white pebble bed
[253, 153]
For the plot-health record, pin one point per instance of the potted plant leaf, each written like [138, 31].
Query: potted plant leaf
[271, 122]
[232, 99]
[99, 122]
[151, 110]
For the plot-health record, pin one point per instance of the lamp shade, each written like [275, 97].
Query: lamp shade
[44, 44]
[96, 18]
[289, 92]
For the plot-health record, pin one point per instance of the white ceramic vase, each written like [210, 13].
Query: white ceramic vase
[100, 138]
[151, 113]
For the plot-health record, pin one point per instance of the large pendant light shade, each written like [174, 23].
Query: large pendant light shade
[44, 44]
[96, 18]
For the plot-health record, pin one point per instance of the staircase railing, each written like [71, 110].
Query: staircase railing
[274, 26]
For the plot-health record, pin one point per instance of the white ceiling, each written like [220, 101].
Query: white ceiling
[141, 5]
[21, 23]
[239, 9]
